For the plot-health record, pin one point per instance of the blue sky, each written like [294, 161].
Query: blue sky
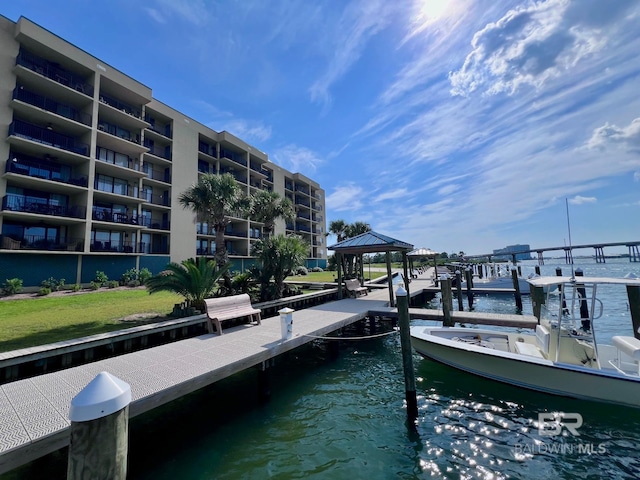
[453, 125]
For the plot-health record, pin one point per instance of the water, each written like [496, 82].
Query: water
[344, 419]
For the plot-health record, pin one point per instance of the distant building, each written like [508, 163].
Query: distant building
[521, 251]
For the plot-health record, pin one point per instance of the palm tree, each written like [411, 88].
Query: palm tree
[338, 228]
[214, 199]
[194, 280]
[343, 231]
[277, 257]
[267, 207]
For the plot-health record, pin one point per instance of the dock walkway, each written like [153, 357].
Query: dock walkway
[34, 411]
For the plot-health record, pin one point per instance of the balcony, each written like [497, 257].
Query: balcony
[53, 72]
[161, 175]
[30, 167]
[207, 149]
[162, 200]
[38, 242]
[120, 247]
[119, 132]
[120, 105]
[162, 152]
[160, 129]
[154, 223]
[41, 206]
[107, 215]
[118, 188]
[238, 158]
[50, 105]
[46, 136]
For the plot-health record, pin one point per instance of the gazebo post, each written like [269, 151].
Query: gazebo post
[339, 263]
[392, 302]
[361, 269]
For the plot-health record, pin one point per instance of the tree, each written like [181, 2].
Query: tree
[214, 199]
[267, 207]
[277, 256]
[343, 231]
[194, 280]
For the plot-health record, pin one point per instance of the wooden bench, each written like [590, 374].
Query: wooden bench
[227, 308]
[353, 287]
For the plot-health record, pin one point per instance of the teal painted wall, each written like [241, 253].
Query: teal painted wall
[112, 265]
[34, 268]
[155, 264]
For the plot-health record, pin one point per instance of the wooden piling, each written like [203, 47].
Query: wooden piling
[469, 278]
[537, 300]
[537, 269]
[407, 354]
[447, 301]
[459, 290]
[99, 429]
[264, 381]
[516, 287]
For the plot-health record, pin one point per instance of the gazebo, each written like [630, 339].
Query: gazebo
[372, 242]
[423, 252]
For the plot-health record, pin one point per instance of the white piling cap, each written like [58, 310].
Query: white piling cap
[401, 292]
[286, 310]
[102, 396]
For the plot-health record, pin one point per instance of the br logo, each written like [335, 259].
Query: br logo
[551, 424]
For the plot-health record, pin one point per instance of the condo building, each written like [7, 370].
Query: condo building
[91, 168]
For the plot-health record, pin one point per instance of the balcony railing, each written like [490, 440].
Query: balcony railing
[107, 215]
[39, 242]
[206, 148]
[165, 132]
[31, 167]
[116, 158]
[118, 189]
[233, 156]
[158, 151]
[120, 105]
[149, 197]
[156, 174]
[49, 70]
[155, 223]
[118, 132]
[41, 206]
[120, 247]
[50, 105]
[46, 136]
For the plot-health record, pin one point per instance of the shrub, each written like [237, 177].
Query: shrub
[76, 287]
[12, 286]
[94, 285]
[52, 284]
[302, 271]
[134, 277]
[44, 291]
[113, 284]
[317, 269]
[101, 278]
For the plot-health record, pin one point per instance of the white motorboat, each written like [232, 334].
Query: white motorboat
[561, 358]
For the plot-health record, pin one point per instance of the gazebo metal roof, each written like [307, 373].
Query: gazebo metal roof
[370, 242]
[422, 252]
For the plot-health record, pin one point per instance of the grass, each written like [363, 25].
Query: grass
[38, 321]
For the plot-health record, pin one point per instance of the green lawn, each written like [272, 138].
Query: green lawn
[37, 321]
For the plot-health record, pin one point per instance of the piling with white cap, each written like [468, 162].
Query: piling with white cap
[286, 322]
[99, 417]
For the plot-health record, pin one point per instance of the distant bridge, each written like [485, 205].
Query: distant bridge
[633, 247]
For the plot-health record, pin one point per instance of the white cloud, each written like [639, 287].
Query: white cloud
[297, 159]
[391, 195]
[532, 44]
[345, 198]
[628, 137]
[251, 132]
[193, 11]
[359, 22]
[580, 200]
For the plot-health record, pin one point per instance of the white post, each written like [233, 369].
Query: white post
[286, 322]
[99, 417]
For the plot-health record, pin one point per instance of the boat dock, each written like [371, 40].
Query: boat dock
[34, 411]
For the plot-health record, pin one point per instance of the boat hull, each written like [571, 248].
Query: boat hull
[529, 372]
